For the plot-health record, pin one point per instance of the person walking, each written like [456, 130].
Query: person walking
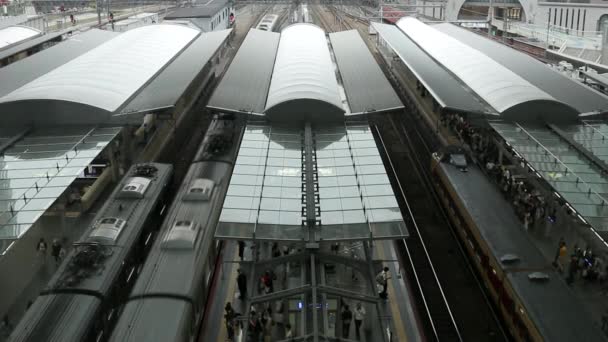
[55, 249]
[359, 316]
[229, 316]
[347, 317]
[241, 250]
[241, 281]
[382, 279]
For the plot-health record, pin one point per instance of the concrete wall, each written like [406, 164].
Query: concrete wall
[589, 15]
[538, 12]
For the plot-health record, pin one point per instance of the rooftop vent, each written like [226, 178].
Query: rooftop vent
[135, 187]
[509, 259]
[181, 236]
[201, 190]
[108, 228]
[538, 276]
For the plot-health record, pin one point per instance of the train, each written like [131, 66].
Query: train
[533, 300]
[169, 299]
[82, 300]
[268, 23]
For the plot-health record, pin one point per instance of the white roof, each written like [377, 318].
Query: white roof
[303, 68]
[498, 86]
[15, 34]
[107, 76]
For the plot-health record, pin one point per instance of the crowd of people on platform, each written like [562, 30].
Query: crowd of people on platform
[530, 206]
[270, 319]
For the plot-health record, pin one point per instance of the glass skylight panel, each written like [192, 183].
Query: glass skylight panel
[579, 181]
[36, 170]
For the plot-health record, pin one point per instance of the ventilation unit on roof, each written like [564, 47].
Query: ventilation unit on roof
[181, 236]
[201, 190]
[509, 259]
[538, 276]
[135, 187]
[108, 228]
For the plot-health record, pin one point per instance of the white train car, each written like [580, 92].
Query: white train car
[268, 23]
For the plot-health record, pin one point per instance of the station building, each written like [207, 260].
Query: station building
[76, 116]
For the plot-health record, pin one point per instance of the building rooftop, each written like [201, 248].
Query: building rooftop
[303, 79]
[80, 75]
[562, 88]
[12, 35]
[288, 88]
[507, 92]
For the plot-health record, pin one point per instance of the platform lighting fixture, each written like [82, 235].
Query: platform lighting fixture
[538, 175]
[7, 248]
[581, 218]
[557, 195]
[598, 236]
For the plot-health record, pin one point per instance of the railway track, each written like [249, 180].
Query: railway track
[446, 287]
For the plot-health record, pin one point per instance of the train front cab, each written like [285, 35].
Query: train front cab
[521, 328]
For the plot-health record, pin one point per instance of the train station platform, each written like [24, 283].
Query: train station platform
[396, 312]
[309, 196]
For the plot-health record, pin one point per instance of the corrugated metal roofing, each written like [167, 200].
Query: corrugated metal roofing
[108, 75]
[367, 89]
[172, 82]
[497, 85]
[303, 73]
[31, 43]
[559, 86]
[447, 90]
[14, 34]
[24, 71]
[245, 85]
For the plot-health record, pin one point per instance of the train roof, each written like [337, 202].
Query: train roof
[494, 218]
[38, 325]
[116, 226]
[554, 309]
[173, 267]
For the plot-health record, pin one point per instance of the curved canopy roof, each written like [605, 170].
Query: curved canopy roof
[15, 34]
[505, 91]
[304, 81]
[108, 75]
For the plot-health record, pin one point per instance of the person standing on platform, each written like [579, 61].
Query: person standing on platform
[382, 279]
[229, 316]
[359, 316]
[241, 281]
[41, 248]
[241, 250]
[347, 317]
[55, 249]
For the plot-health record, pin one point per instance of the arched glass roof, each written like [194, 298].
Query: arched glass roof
[304, 73]
[108, 75]
[15, 34]
[507, 92]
